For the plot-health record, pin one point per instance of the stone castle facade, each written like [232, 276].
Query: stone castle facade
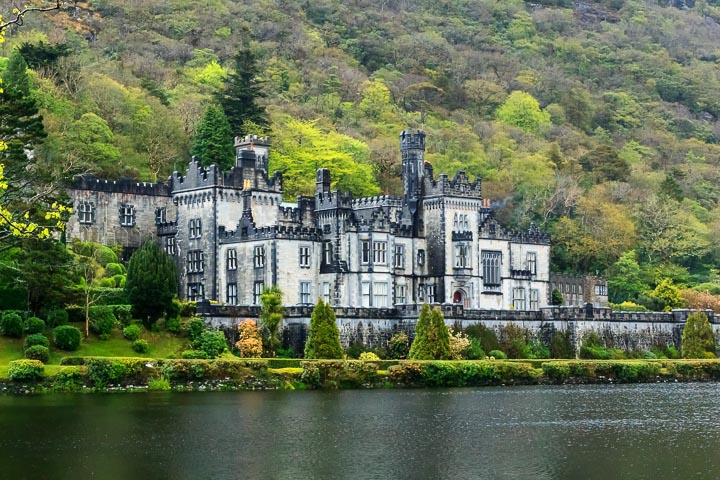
[231, 235]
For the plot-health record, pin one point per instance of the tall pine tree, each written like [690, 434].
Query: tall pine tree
[151, 282]
[324, 338]
[239, 98]
[213, 143]
[432, 339]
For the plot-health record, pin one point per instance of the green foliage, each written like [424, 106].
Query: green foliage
[513, 340]
[561, 345]
[432, 340]
[668, 294]
[113, 269]
[324, 337]
[522, 110]
[140, 346]
[102, 319]
[593, 348]
[497, 355]
[66, 337]
[35, 339]
[270, 317]
[158, 384]
[194, 354]
[11, 325]
[475, 350]
[123, 313]
[487, 337]
[26, 370]
[213, 343]
[556, 297]
[151, 282]
[173, 325]
[369, 357]
[697, 337]
[399, 346]
[57, 317]
[34, 325]
[132, 332]
[38, 352]
[195, 328]
[243, 89]
[213, 142]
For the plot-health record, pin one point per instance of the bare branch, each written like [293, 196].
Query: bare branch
[20, 14]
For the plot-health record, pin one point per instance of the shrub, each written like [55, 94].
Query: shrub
[102, 319]
[132, 332]
[324, 337]
[213, 343]
[498, 354]
[35, 339]
[66, 337]
[104, 255]
[35, 325]
[561, 345]
[399, 346]
[432, 340]
[23, 370]
[195, 328]
[173, 325]
[475, 350]
[57, 317]
[488, 338]
[113, 269]
[69, 379]
[369, 357]
[556, 370]
[513, 340]
[140, 346]
[535, 349]
[123, 313]
[459, 344]
[187, 309]
[158, 384]
[194, 354]
[249, 344]
[38, 352]
[697, 337]
[11, 325]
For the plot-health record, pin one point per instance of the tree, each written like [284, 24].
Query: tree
[151, 282]
[432, 340]
[249, 343]
[625, 282]
[556, 297]
[243, 89]
[521, 110]
[324, 338]
[668, 293]
[697, 337]
[271, 316]
[45, 270]
[213, 143]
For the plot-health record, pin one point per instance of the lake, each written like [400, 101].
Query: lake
[648, 431]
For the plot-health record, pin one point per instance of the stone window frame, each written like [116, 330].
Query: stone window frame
[531, 262]
[305, 293]
[518, 298]
[326, 292]
[127, 215]
[160, 215]
[231, 293]
[258, 288]
[195, 291]
[365, 252]
[86, 213]
[304, 256]
[259, 256]
[401, 293]
[462, 255]
[534, 299]
[379, 252]
[231, 259]
[399, 256]
[195, 228]
[327, 252]
[380, 294]
[430, 292]
[170, 245]
[492, 267]
[421, 257]
[365, 294]
[196, 261]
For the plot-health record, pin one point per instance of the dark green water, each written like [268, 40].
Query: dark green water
[568, 432]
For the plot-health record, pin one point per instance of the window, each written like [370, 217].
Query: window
[327, 228]
[259, 256]
[326, 292]
[86, 212]
[601, 290]
[195, 261]
[365, 251]
[304, 256]
[232, 259]
[534, 299]
[195, 291]
[421, 257]
[400, 293]
[491, 268]
[231, 294]
[421, 293]
[399, 257]
[519, 298]
[127, 215]
[195, 227]
[461, 223]
[430, 293]
[365, 291]
[160, 215]
[380, 295]
[462, 255]
[531, 262]
[380, 253]
[305, 293]
[170, 245]
[327, 253]
[258, 288]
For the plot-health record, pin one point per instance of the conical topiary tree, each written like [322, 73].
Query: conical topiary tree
[324, 338]
[432, 340]
[151, 282]
[697, 337]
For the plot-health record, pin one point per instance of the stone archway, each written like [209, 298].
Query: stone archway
[461, 297]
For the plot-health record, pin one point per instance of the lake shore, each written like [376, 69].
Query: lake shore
[129, 374]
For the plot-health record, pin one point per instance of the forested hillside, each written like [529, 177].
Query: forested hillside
[598, 121]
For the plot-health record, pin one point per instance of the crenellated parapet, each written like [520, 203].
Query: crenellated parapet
[285, 232]
[196, 176]
[490, 228]
[459, 186]
[120, 186]
[333, 200]
[380, 201]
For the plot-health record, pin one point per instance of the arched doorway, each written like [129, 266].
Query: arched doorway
[461, 297]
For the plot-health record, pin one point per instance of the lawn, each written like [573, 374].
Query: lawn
[162, 345]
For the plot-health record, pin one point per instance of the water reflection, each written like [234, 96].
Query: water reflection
[639, 431]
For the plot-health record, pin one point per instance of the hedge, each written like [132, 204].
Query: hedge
[620, 371]
[67, 337]
[26, 370]
[11, 324]
[35, 325]
[102, 319]
[36, 339]
[38, 352]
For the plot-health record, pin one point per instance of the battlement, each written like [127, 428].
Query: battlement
[269, 232]
[412, 139]
[251, 140]
[196, 176]
[459, 186]
[122, 185]
[167, 228]
[334, 199]
[376, 202]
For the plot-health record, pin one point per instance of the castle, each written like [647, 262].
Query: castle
[231, 235]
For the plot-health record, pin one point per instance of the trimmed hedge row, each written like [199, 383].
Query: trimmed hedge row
[621, 371]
